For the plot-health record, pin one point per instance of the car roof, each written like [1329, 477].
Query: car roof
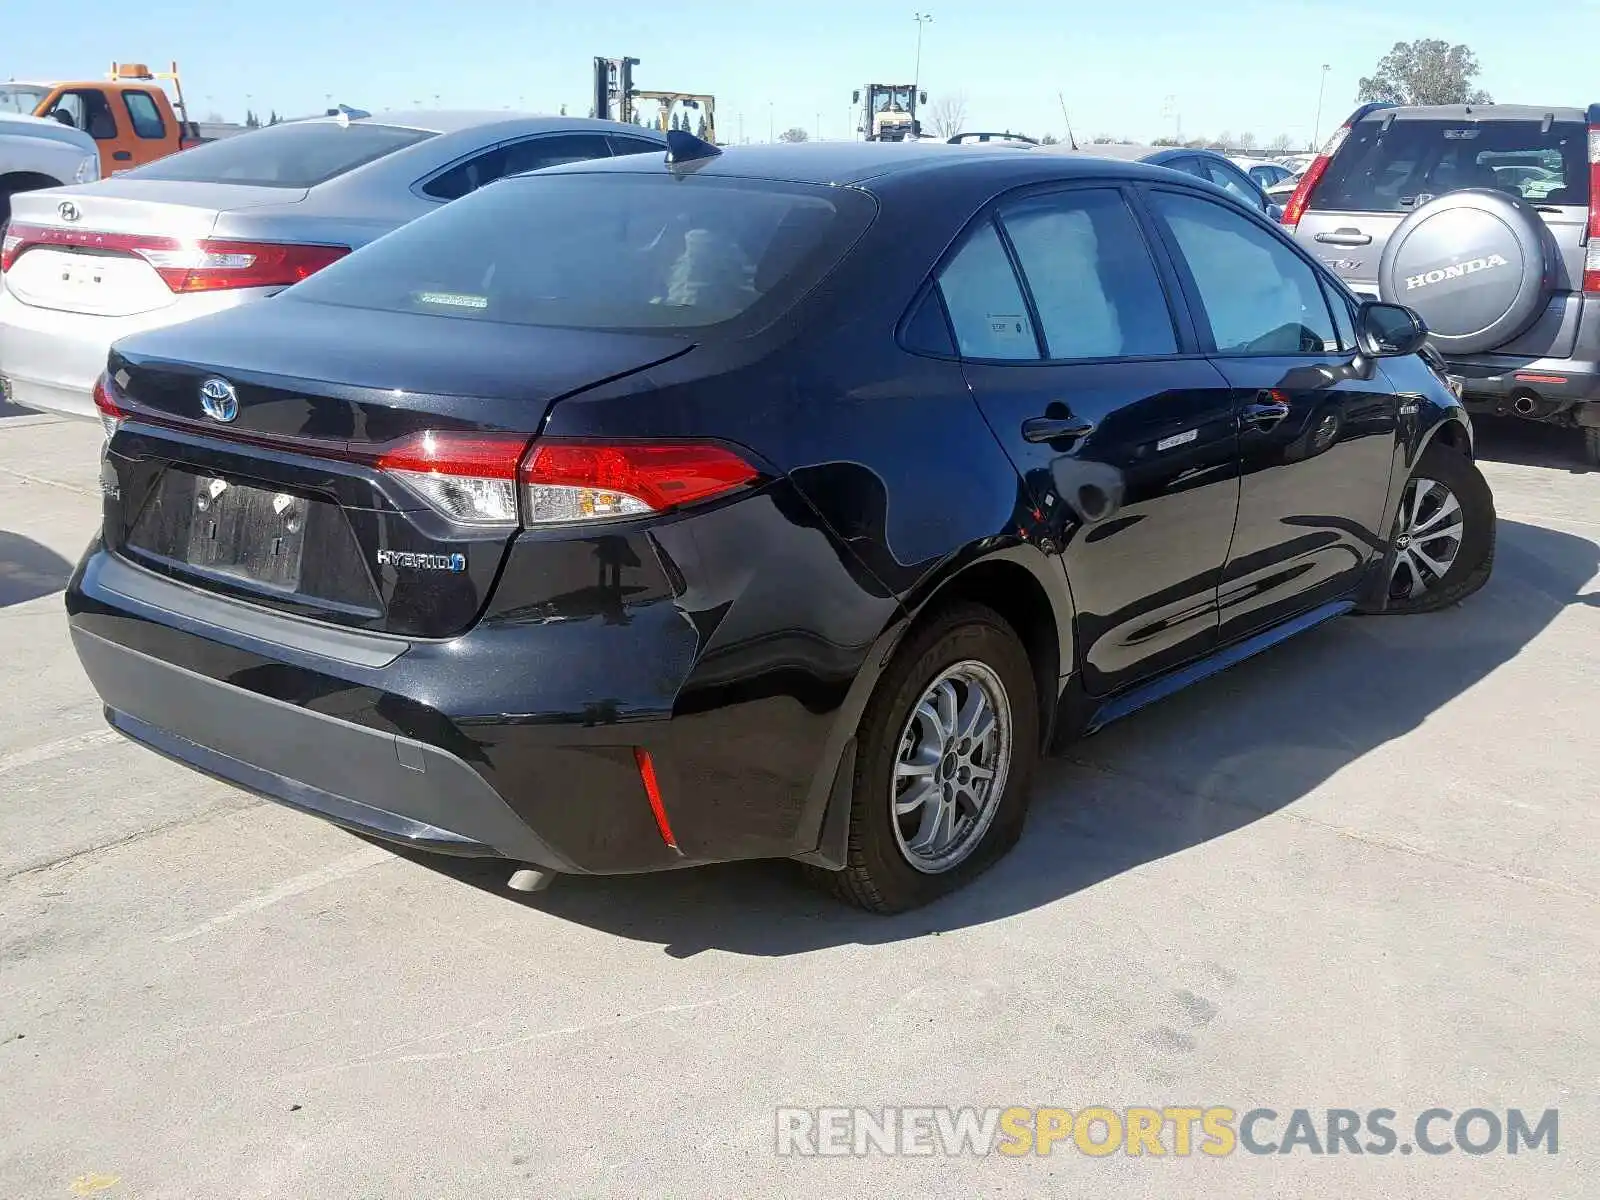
[1478, 112]
[849, 163]
[456, 120]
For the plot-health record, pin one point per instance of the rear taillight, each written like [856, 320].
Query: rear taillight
[571, 482]
[112, 415]
[469, 477]
[1296, 208]
[1591, 254]
[206, 265]
[493, 479]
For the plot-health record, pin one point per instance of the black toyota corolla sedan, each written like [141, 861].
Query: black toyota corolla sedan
[781, 502]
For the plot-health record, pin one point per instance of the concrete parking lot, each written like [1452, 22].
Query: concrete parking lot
[1360, 872]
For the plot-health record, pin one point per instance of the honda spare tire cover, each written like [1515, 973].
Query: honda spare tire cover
[1475, 265]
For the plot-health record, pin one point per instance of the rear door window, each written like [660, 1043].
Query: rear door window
[984, 300]
[144, 114]
[634, 145]
[530, 154]
[612, 250]
[295, 154]
[1234, 182]
[1260, 297]
[1093, 281]
[1416, 160]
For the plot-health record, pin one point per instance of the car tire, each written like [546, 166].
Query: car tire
[1423, 540]
[1591, 446]
[967, 657]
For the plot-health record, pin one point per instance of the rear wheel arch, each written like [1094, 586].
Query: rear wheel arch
[1020, 585]
[1010, 586]
[21, 181]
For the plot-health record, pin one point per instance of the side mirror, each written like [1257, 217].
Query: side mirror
[1389, 330]
[923, 98]
[855, 96]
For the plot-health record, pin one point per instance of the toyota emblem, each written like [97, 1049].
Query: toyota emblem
[68, 211]
[220, 401]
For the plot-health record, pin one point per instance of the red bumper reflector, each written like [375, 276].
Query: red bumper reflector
[652, 790]
[1525, 377]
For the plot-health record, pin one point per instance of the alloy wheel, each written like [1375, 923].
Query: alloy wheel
[1427, 538]
[950, 772]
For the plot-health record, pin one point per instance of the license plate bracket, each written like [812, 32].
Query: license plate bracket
[249, 533]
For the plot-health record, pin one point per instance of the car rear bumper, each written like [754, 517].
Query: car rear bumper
[49, 359]
[1514, 386]
[518, 739]
[399, 789]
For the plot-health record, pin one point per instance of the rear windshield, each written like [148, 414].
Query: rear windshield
[1415, 161]
[606, 250]
[292, 155]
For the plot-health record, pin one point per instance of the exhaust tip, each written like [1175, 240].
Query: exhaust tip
[530, 879]
[1523, 405]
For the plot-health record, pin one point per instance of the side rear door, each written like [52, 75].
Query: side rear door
[1122, 431]
[1317, 426]
[152, 137]
[88, 109]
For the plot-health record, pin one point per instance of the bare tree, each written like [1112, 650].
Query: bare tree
[949, 116]
[1280, 143]
[797, 134]
[1247, 142]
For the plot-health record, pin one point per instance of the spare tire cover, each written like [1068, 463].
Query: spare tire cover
[1475, 265]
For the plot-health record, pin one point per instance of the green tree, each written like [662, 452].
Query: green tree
[1426, 71]
[1049, 139]
[251, 121]
[700, 129]
[794, 134]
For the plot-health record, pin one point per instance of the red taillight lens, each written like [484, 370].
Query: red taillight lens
[468, 477]
[105, 402]
[564, 482]
[1296, 208]
[1591, 254]
[207, 265]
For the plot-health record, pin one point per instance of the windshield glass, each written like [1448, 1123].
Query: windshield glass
[1416, 160]
[292, 155]
[606, 250]
[21, 98]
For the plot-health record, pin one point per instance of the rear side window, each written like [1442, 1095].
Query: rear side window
[1093, 281]
[296, 154]
[1415, 161]
[530, 154]
[144, 114]
[1260, 297]
[607, 250]
[984, 300]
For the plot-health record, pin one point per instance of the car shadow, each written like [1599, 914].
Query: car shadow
[1198, 766]
[1530, 444]
[29, 570]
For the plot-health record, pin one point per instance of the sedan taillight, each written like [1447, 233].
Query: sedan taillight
[203, 265]
[494, 479]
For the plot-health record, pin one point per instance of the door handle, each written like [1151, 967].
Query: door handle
[1345, 237]
[1265, 412]
[1055, 429]
[123, 155]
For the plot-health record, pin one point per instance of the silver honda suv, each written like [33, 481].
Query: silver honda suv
[1483, 219]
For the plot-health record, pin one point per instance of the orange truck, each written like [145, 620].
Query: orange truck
[128, 114]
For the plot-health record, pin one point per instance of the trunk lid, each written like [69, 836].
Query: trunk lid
[289, 500]
[108, 277]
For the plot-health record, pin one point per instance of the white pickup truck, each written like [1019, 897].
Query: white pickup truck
[37, 152]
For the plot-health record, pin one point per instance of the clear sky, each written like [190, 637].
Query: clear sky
[1230, 65]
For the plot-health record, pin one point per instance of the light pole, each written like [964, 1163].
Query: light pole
[819, 127]
[1169, 108]
[921, 19]
[771, 128]
[1316, 126]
